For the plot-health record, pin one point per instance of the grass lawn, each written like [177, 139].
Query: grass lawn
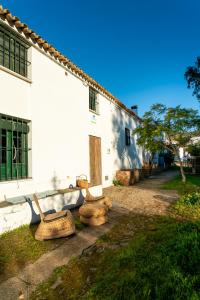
[192, 184]
[19, 247]
[143, 257]
[159, 261]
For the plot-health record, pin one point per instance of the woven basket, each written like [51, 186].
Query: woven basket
[82, 182]
[55, 226]
[92, 210]
[93, 221]
[90, 197]
[101, 200]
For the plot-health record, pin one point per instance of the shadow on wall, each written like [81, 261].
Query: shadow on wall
[126, 157]
[66, 200]
[54, 202]
[55, 182]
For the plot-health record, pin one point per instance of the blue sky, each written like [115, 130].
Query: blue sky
[137, 49]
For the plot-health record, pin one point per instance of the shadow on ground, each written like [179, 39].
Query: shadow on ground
[128, 260]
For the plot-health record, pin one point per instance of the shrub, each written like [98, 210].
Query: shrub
[194, 149]
[117, 182]
[190, 199]
[188, 206]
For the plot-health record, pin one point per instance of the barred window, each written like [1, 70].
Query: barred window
[13, 148]
[13, 52]
[93, 100]
[127, 137]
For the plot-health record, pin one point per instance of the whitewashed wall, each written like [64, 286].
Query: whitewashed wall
[110, 125]
[58, 107]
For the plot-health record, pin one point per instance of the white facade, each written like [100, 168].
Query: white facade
[56, 102]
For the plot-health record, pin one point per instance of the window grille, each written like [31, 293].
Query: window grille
[13, 53]
[13, 148]
[93, 100]
[127, 137]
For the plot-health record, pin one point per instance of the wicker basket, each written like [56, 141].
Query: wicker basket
[94, 221]
[92, 210]
[82, 182]
[98, 200]
[56, 225]
[104, 200]
[59, 227]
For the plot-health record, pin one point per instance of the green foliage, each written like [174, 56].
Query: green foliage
[192, 75]
[191, 185]
[19, 247]
[78, 224]
[188, 206]
[194, 149]
[117, 182]
[167, 128]
[157, 264]
[190, 199]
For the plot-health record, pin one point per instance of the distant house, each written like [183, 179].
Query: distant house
[56, 122]
[183, 152]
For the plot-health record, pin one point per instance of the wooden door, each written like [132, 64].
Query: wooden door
[95, 160]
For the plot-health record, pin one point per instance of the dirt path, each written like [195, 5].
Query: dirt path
[145, 197]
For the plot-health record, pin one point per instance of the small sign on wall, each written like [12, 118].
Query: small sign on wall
[108, 151]
[93, 119]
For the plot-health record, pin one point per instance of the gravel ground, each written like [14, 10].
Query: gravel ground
[145, 197]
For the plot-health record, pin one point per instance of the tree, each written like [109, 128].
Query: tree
[194, 149]
[192, 76]
[168, 128]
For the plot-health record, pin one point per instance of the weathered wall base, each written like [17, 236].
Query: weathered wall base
[13, 216]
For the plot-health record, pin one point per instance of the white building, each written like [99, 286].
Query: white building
[56, 122]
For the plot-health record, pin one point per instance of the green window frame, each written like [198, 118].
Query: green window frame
[13, 148]
[93, 100]
[13, 52]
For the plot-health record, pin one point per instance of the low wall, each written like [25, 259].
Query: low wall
[132, 176]
[13, 216]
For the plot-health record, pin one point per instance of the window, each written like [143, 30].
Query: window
[93, 100]
[13, 52]
[13, 148]
[127, 137]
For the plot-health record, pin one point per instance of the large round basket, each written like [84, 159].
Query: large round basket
[55, 225]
